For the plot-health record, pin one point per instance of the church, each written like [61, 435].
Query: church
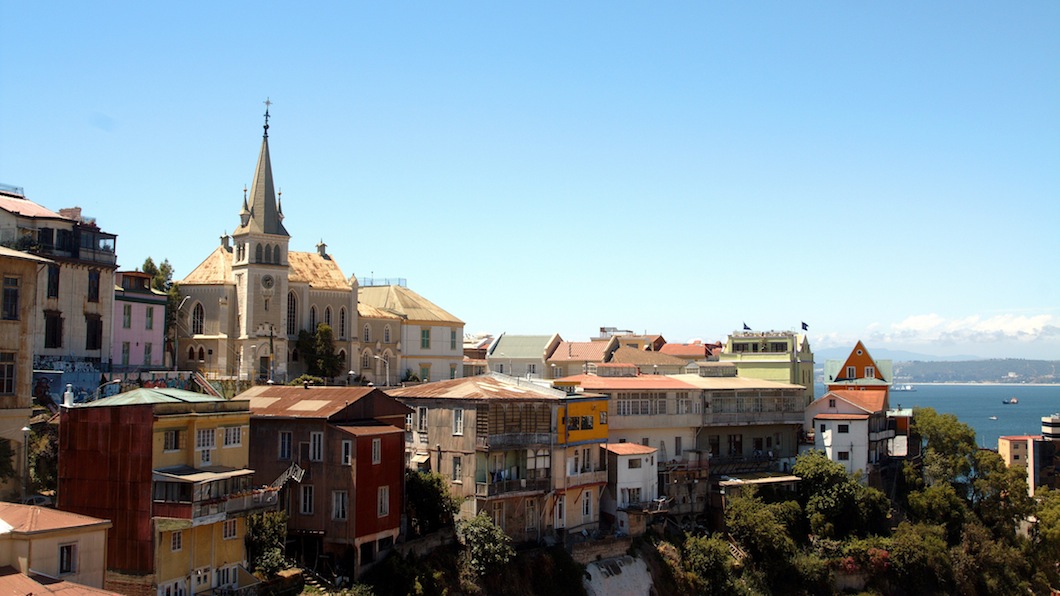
[242, 308]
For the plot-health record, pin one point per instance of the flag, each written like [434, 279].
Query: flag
[805, 327]
[745, 327]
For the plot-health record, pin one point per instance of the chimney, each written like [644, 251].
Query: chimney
[68, 396]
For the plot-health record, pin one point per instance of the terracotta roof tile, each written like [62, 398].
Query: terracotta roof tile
[31, 518]
[627, 355]
[629, 449]
[580, 351]
[319, 272]
[695, 351]
[870, 400]
[641, 382]
[215, 269]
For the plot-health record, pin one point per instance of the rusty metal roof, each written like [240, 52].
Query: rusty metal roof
[16, 518]
[14, 582]
[299, 402]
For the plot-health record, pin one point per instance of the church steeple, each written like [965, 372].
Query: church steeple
[263, 209]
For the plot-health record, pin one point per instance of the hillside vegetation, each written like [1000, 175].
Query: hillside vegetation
[1007, 370]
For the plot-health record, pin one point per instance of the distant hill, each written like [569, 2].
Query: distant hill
[999, 370]
[819, 356]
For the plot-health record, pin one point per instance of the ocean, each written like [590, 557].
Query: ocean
[975, 404]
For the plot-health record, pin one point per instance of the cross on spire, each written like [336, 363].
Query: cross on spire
[267, 104]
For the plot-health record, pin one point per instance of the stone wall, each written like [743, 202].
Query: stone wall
[594, 550]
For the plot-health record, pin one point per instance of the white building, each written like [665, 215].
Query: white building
[632, 483]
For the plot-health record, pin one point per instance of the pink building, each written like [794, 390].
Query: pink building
[138, 335]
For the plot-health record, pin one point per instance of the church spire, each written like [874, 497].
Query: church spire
[263, 209]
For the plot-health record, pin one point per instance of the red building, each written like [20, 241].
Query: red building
[344, 505]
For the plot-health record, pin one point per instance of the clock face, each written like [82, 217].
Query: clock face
[266, 281]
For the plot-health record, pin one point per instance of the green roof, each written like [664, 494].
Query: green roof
[145, 396]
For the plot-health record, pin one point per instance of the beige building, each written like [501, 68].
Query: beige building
[781, 356]
[53, 544]
[17, 320]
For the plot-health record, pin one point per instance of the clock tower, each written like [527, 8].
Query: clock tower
[260, 268]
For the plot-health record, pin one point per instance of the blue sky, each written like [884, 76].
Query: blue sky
[882, 171]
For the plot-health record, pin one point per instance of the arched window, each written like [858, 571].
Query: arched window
[268, 253]
[292, 312]
[191, 353]
[367, 333]
[202, 355]
[257, 253]
[312, 319]
[276, 255]
[198, 319]
[327, 316]
[294, 355]
[386, 334]
[342, 322]
[366, 359]
[342, 357]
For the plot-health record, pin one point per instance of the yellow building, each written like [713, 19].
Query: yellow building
[579, 468]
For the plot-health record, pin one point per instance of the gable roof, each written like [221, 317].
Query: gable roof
[215, 269]
[859, 358]
[490, 386]
[354, 402]
[628, 355]
[695, 351]
[320, 272]
[405, 303]
[583, 351]
[20, 205]
[151, 396]
[867, 400]
[368, 311]
[521, 346]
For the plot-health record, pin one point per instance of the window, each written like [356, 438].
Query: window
[870, 372]
[831, 403]
[843, 428]
[383, 497]
[452, 339]
[425, 339]
[148, 350]
[307, 499]
[7, 373]
[421, 419]
[386, 334]
[342, 323]
[292, 304]
[124, 353]
[340, 502]
[93, 285]
[67, 558]
[11, 298]
[205, 441]
[458, 421]
[1015, 457]
[844, 456]
[452, 371]
[176, 540]
[171, 440]
[327, 316]
[367, 335]
[531, 369]
[377, 451]
[366, 360]
[425, 372]
[230, 528]
[347, 453]
[561, 507]
[258, 253]
[53, 281]
[233, 436]
[531, 513]
[198, 319]
[603, 417]
[285, 444]
[94, 332]
[822, 429]
[677, 446]
[149, 321]
[316, 446]
[851, 372]
[312, 319]
[53, 326]
[634, 463]
[587, 505]
[126, 316]
[458, 468]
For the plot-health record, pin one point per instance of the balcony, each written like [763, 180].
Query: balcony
[503, 487]
[587, 477]
[514, 440]
[882, 435]
[220, 508]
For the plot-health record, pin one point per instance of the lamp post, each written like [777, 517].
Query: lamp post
[386, 363]
[176, 333]
[95, 395]
[25, 461]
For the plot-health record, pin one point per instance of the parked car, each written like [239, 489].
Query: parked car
[39, 500]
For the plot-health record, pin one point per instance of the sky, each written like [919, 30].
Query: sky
[880, 171]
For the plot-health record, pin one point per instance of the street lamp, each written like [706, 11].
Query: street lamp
[25, 461]
[95, 395]
[387, 363]
[176, 333]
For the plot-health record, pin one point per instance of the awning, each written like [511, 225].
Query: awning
[193, 475]
[420, 458]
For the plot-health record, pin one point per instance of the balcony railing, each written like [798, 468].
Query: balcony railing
[587, 476]
[219, 507]
[492, 489]
[510, 440]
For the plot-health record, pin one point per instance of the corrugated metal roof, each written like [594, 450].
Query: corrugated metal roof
[296, 401]
[734, 382]
[14, 582]
[405, 303]
[27, 208]
[191, 475]
[32, 518]
[490, 386]
[25, 256]
[629, 449]
[145, 396]
[520, 346]
[365, 430]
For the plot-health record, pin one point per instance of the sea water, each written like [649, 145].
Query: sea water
[975, 404]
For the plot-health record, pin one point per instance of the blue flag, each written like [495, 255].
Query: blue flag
[745, 327]
[805, 327]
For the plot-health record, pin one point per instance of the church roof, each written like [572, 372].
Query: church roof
[265, 215]
[216, 269]
[371, 312]
[405, 303]
[321, 273]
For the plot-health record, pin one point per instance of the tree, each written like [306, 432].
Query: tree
[8, 470]
[921, 560]
[1046, 535]
[948, 446]
[998, 494]
[982, 565]
[758, 527]
[939, 504]
[266, 535]
[489, 548]
[44, 456]
[328, 363]
[162, 280]
[707, 558]
[430, 503]
[828, 494]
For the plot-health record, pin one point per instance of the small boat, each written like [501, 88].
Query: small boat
[1012, 401]
[902, 388]
[993, 417]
